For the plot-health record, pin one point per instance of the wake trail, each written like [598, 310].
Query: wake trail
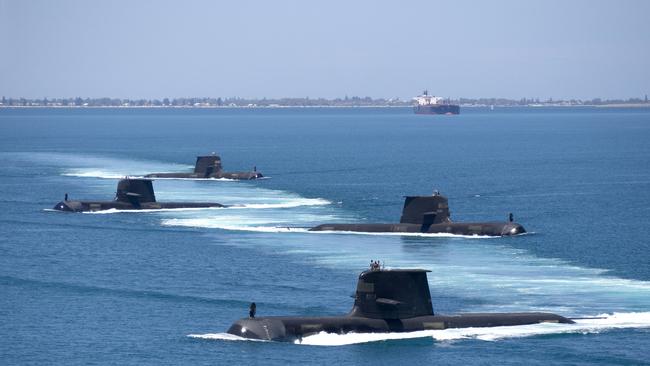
[218, 223]
[605, 322]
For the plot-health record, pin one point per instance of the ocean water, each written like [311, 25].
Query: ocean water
[163, 287]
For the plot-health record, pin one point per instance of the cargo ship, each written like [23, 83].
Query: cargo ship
[429, 104]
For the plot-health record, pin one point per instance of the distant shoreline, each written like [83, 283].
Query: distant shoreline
[631, 105]
[306, 102]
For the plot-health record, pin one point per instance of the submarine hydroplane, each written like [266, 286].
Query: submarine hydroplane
[393, 300]
[132, 194]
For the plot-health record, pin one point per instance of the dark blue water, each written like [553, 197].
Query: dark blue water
[129, 288]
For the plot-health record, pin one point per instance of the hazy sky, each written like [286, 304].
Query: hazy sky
[155, 49]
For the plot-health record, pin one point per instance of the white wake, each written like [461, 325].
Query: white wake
[584, 326]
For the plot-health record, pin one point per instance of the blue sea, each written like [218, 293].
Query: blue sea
[163, 287]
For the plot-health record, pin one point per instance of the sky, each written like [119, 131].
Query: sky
[283, 48]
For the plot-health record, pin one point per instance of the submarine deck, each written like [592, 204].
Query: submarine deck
[287, 328]
[465, 228]
[84, 206]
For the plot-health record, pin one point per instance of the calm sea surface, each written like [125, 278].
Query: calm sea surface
[163, 287]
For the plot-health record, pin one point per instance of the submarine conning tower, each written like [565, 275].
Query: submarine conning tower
[425, 210]
[392, 294]
[207, 165]
[135, 190]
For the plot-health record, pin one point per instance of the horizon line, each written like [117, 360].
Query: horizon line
[346, 97]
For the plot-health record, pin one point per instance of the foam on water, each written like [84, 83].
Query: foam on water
[243, 198]
[481, 275]
[93, 166]
[279, 222]
[208, 179]
[265, 220]
[290, 204]
[97, 166]
[490, 275]
[223, 337]
[252, 208]
[610, 321]
[265, 229]
[236, 197]
[487, 275]
[246, 223]
[217, 223]
[95, 174]
[581, 326]
[115, 210]
[202, 222]
[417, 235]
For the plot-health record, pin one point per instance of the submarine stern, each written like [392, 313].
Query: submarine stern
[477, 228]
[173, 175]
[237, 175]
[365, 228]
[484, 320]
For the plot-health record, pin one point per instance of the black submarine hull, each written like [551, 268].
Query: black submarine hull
[479, 228]
[92, 206]
[393, 300]
[430, 215]
[219, 175]
[209, 167]
[132, 194]
[294, 328]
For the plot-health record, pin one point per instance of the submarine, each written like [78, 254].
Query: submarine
[430, 214]
[132, 194]
[209, 166]
[386, 300]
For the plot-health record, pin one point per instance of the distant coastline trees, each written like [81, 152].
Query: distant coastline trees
[347, 101]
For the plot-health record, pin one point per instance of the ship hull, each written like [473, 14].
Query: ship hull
[217, 175]
[476, 228]
[437, 109]
[92, 206]
[294, 328]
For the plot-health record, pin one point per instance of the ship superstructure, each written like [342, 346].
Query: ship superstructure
[430, 104]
